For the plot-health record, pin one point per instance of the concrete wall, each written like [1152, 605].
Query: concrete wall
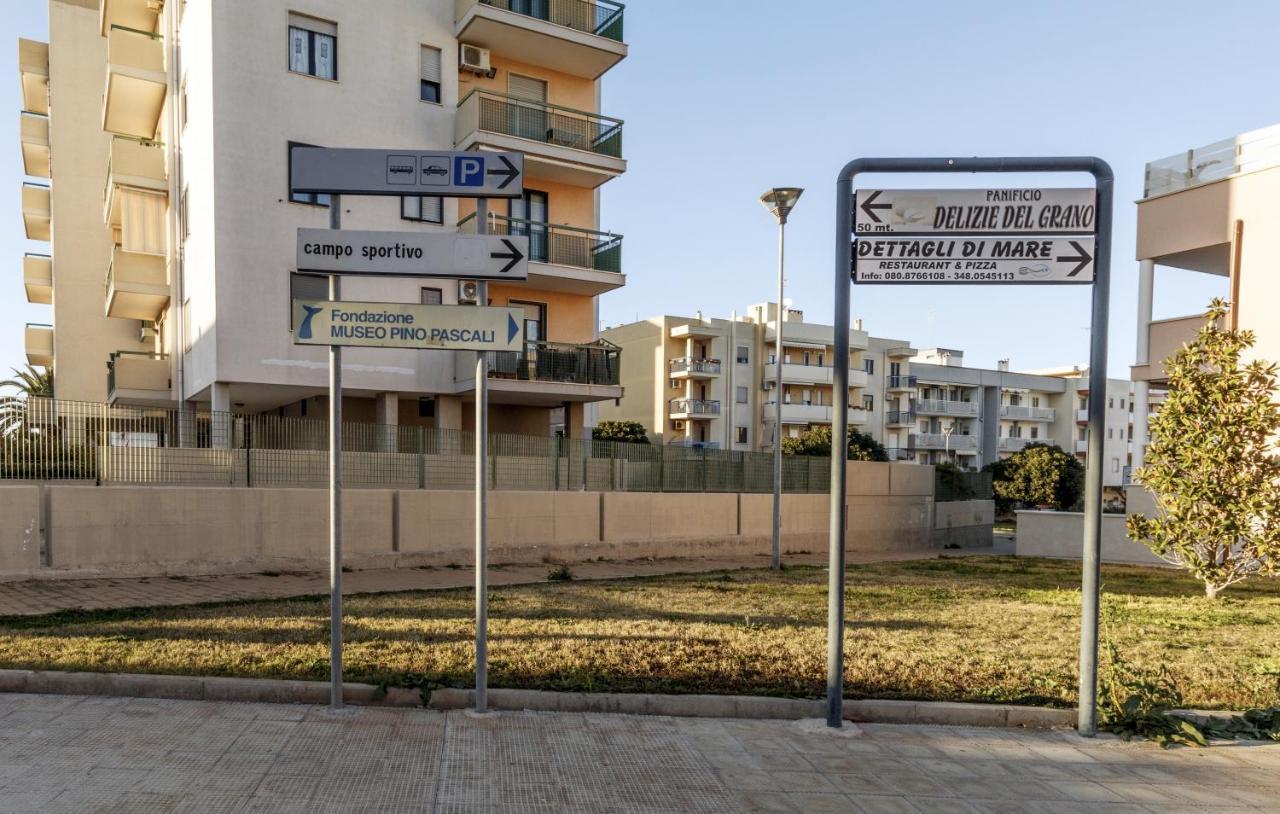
[964, 523]
[1060, 534]
[19, 528]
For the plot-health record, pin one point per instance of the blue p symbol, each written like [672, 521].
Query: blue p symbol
[468, 172]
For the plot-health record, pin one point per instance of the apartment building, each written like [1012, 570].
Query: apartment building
[1209, 210]
[164, 130]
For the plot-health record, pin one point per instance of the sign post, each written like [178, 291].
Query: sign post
[335, 486]
[975, 236]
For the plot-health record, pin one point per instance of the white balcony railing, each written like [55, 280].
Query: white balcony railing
[1255, 150]
[1023, 412]
[945, 407]
[939, 440]
[1015, 444]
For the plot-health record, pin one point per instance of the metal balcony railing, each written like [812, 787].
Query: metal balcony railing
[1014, 444]
[900, 454]
[600, 17]
[688, 364]
[558, 245]
[1022, 411]
[694, 407]
[896, 382]
[597, 363]
[901, 416]
[547, 123]
[945, 407]
[938, 440]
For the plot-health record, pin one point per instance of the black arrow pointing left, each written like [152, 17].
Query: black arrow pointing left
[869, 206]
[509, 172]
[513, 254]
[1081, 258]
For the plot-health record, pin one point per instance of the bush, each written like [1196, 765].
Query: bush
[816, 441]
[631, 432]
[1037, 475]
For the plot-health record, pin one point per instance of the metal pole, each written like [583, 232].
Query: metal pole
[482, 495]
[775, 549]
[839, 469]
[1090, 589]
[335, 487]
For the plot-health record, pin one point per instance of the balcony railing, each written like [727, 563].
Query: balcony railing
[597, 364]
[1255, 150]
[558, 245]
[1015, 444]
[694, 407]
[901, 382]
[900, 454]
[137, 370]
[901, 417]
[938, 440]
[688, 364]
[1021, 411]
[546, 123]
[945, 407]
[600, 17]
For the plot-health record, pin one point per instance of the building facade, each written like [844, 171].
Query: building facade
[172, 225]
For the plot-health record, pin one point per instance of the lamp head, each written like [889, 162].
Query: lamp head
[780, 201]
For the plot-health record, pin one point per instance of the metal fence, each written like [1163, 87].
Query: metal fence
[46, 440]
[547, 123]
[600, 17]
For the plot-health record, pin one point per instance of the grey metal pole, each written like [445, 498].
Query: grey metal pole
[775, 547]
[335, 487]
[1090, 589]
[839, 469]
[482, 493]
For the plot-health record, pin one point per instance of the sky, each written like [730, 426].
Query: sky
[723, 100]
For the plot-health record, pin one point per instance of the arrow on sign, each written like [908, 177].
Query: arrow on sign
[1081, 258]
[509, 172]
[513, 254]
[512, 328]
[869, 206]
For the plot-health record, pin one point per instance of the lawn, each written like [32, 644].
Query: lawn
[972, 629]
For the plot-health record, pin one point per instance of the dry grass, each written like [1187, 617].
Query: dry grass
[977, 629]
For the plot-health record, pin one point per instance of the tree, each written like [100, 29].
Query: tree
[1211, 464]
[631, 432]
[31, 381]
[817, 441]
[1038, 475]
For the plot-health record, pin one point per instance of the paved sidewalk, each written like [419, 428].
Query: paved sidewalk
[76, 754]
[32, 597]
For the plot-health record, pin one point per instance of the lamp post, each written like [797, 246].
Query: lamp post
[780, 201]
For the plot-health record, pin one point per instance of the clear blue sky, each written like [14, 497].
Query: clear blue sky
[724, 100]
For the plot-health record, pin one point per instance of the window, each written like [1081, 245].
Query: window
[739, 435]
[432, 296]
[869, 365]
[1111, 402]
[675, 385]
[312, 198]
[1035, 432]
[869, 403]
[313, 47]
[429, 80]
[426, 406]
[535, 317]
[740, 395]
[744, 355]
[529, 217]
[1115, 464]
[184, 218]
[423, 208]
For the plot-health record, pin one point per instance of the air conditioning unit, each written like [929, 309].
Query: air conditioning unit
[768, 384]
[475, 59]
[146, 330]
[468, 292]
[678, 426]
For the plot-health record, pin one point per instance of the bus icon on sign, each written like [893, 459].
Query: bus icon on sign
[401, 169]
[434, 170]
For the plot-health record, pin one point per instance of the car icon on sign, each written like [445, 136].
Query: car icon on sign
[441, 171]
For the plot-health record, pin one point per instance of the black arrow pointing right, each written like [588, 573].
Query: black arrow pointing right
[513, 254]
[1082, 258]
[869, 205]
[509, 173]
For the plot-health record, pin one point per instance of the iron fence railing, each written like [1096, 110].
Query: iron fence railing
[901, 417]
[689, 364]
[694, 407]
[597, 363]
[898, 382]
[547, 123]
[46, 440]
[600, 17]
[558, 245]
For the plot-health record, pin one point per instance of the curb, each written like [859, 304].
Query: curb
[273, 691]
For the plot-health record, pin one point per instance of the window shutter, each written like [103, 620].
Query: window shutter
[527, 88]
[433, 209]
[431, 64]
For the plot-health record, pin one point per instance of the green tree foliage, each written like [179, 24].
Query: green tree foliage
[1211, 464]
[631, 432]
[816, 441]
[1038, 475]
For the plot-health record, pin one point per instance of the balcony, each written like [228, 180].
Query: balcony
[690, 368]
[33, 132]
[900, 418]
[577, 37]
[560, 144]
[136, 82]
[1081, 447]
[38, 341]
[141, 15]
[1164, 338]
[797, 413]
[139, 378]
[562, 258]
[33, 72]
[696, 330]
[1255, 150]
[1015, 444]
[959, 444]
[35, 211]
[37, 278]
[804, 334]
[902, 382]
[1019, 412]
[812, 374]
[900, 454]
[137, 285]
[550, 373]
[1082, 416]
[946, 407]
[694, 409]
[132, 164]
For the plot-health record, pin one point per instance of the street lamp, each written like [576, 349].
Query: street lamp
[779, 201]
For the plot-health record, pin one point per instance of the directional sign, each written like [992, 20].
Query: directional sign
[414, 254]
[441, 173]
[975, 211]
[401, 325]
[973, 260]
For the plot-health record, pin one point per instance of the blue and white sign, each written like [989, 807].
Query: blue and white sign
[443, 173]
[403, 325]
